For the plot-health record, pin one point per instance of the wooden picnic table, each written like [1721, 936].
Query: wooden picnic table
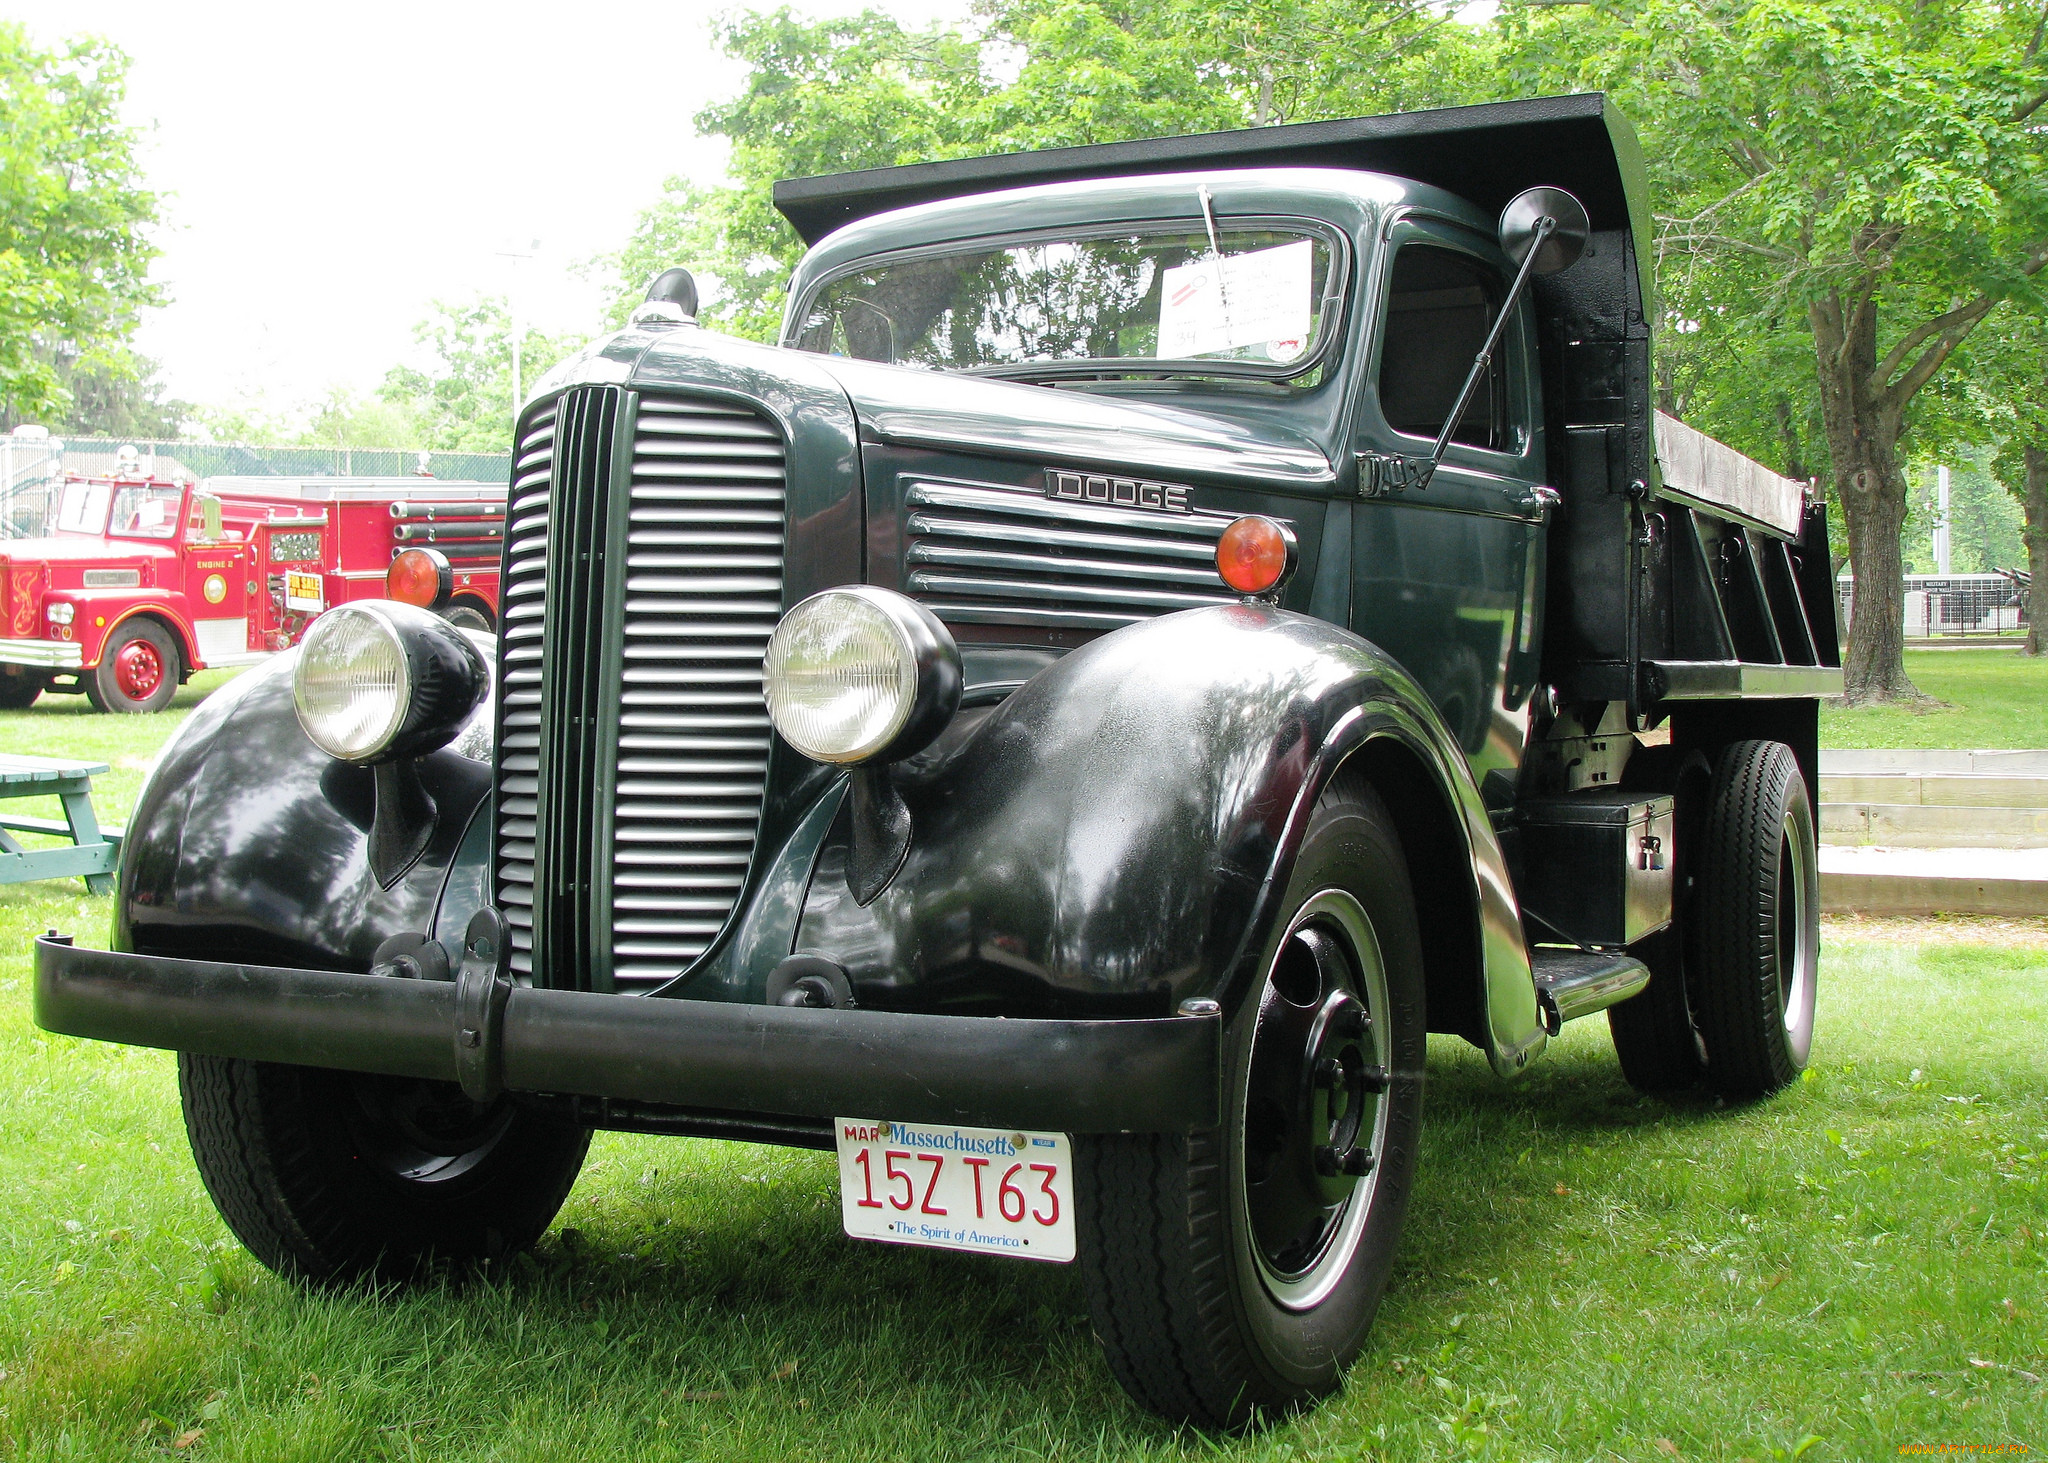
[94, 851]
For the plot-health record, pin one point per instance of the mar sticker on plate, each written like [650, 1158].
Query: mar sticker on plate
[302, 591]
[991, 1190]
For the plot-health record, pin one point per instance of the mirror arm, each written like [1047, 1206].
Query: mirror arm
[1545, 227]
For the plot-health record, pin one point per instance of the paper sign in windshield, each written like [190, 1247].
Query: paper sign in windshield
[1261, 298]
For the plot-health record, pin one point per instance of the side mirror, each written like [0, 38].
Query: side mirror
[1557, 247]
[209, 518]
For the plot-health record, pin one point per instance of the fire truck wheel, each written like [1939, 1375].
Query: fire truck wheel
[18, 690]
[1754, 943]
[468, 617]
[331, 1177]
[1233, 1273]
[138, 670]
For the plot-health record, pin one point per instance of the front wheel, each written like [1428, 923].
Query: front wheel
[335, 1176]
[1754, 938]
[138, 669]
[1233, 1272]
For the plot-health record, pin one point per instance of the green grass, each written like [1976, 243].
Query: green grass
[1863, 1261]
[1994, 699]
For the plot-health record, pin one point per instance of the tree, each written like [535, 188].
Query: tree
[463, 403]
[2011, 368]
[1873, 167]
[865, 92]
[73, 214]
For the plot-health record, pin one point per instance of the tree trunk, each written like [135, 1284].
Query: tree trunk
[1863, 440]
[2035, 505]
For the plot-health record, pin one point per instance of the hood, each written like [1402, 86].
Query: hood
[901, 404]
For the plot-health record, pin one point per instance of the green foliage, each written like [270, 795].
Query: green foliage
[1984, 519]
[463, 402]
[73, 256]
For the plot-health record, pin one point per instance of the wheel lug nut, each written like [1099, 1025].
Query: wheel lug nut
[1329, 1072]
[1329, 1162]
[1373, 1079]
[1358, 1163]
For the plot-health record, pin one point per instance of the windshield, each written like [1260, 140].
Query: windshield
[146, 510]
[1128, 304]
[83, 508]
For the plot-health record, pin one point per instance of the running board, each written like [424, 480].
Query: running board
[1575, 983]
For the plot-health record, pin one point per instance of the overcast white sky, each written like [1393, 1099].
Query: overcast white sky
[331, 170]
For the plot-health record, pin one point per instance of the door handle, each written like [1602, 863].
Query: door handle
[1538, 500]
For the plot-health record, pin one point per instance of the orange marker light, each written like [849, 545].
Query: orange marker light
[419, 577]
[1254, 555]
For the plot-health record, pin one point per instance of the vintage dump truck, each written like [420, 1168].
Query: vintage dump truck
[1169, 626]
[121, 586]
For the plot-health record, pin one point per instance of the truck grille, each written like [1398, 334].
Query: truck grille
[649, 689]
[1007, 556]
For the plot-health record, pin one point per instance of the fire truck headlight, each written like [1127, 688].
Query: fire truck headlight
[60, 613]
[377, 681]
[861, 674]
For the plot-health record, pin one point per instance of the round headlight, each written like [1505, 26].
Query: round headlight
[377, 680]
[855, 673]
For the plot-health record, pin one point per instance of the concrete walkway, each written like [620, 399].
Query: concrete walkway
[2010, 881]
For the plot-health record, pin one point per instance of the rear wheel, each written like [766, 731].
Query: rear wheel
[1753, 949]
[466, 616]
[335, 1176]
[1234, 1272]
[138, 670]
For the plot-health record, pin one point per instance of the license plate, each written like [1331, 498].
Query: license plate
[990, 1190]
[302, 591]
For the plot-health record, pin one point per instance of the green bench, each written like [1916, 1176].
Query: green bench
[95, 850]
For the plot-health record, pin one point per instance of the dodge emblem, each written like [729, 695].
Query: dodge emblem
[1117, 492]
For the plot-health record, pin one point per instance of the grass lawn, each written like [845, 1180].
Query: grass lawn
[1858, 1265]
[1995, 699]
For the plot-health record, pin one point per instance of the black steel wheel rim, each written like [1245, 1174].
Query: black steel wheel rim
[419, 1132]
[1315, 1110]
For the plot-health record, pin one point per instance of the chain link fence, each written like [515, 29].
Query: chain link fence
[93, 456]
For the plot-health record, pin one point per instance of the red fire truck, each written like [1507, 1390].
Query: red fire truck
[120, 587]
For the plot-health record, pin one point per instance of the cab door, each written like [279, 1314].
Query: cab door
[1447, 578]
[218, 587]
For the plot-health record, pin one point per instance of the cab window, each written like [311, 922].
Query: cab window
[1440, 304]
[146, 510]
[83, 508]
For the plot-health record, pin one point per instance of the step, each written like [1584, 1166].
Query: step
[1916, 825]
[1575, 983]
[1934, 880]
[1937, 789]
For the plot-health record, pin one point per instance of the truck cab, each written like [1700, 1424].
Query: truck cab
[1167, 627]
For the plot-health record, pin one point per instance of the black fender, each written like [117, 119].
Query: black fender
[1114, 838]
[248, 843]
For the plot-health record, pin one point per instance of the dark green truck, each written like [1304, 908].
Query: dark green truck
[1057, 730]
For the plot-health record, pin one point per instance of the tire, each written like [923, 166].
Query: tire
[139, 669]
[1230, 1279]
[1654, 1035]
[331, 1177]
[1753, 949]
[468, 617]
[18, 691]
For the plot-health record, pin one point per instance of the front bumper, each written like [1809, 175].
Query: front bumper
[55, 655]
[1149, 1075]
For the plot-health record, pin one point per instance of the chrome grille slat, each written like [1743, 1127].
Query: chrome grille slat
[704, 537]
[700, 525]
[984, 555]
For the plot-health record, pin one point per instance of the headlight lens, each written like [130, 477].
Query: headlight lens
[60, 612]
[353, 685]
[841, 677]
